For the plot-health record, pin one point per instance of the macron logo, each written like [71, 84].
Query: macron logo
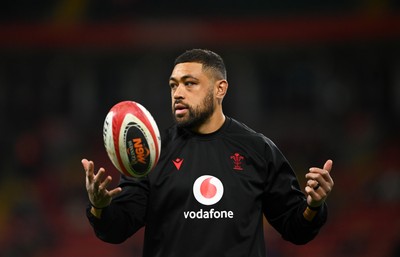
[178, 162]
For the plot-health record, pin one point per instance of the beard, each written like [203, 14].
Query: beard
[197, 115]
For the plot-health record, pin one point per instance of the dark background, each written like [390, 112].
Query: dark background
[320, 78]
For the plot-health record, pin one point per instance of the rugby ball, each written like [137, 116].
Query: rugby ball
[131, 138]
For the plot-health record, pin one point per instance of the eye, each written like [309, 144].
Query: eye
[173, 85]
[189, 83]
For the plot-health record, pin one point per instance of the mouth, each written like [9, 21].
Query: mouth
[180, 109]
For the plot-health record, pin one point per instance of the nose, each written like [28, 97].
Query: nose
[178, 92]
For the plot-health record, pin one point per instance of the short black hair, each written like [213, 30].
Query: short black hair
[208, 58]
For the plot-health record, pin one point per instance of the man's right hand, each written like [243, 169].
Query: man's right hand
[96, 187]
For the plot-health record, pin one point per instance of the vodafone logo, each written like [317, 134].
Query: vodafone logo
[208, 190]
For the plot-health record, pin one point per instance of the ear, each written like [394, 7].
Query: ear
[221, 88]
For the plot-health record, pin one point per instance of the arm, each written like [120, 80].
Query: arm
[285, 206]
[116, 214]
[319, 186]
[99, 196]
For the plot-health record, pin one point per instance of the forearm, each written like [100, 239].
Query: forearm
[96, 212]
[306, 225]
[301, 224]
[310, 213]
[112, 224]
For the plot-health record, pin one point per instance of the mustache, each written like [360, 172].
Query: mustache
[180, 102]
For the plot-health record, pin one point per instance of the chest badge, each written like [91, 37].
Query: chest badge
[237, 161]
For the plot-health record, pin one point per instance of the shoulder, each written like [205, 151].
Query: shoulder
[172, 134]
[237, 128]
[167, 135]
[259, 147]
[239, 131]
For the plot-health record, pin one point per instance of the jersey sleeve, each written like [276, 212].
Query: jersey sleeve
[126, 213]
[284, 202]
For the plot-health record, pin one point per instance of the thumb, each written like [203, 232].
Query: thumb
[328, 165]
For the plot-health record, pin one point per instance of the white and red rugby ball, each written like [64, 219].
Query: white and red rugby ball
[131, 138]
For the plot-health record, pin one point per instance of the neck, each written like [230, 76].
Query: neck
[214, 123]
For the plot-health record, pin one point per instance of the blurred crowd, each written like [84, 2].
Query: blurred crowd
[315, 101]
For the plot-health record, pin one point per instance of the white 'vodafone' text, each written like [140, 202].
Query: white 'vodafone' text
[211, 214]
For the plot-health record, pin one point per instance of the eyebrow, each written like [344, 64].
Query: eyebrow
[184, 77]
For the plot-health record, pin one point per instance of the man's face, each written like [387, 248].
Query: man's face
[192, 95]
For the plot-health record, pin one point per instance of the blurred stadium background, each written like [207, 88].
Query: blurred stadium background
[320, 78]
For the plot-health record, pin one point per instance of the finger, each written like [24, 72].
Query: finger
[317, 173]
[325, 179]
[318, 176]
[321, 185]
[103, 185]
[315, 196]
[328, 165]
[115, 191]
[98, 177]
[317, 181]
[313, 184]
[88, 167]
[85, 164]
